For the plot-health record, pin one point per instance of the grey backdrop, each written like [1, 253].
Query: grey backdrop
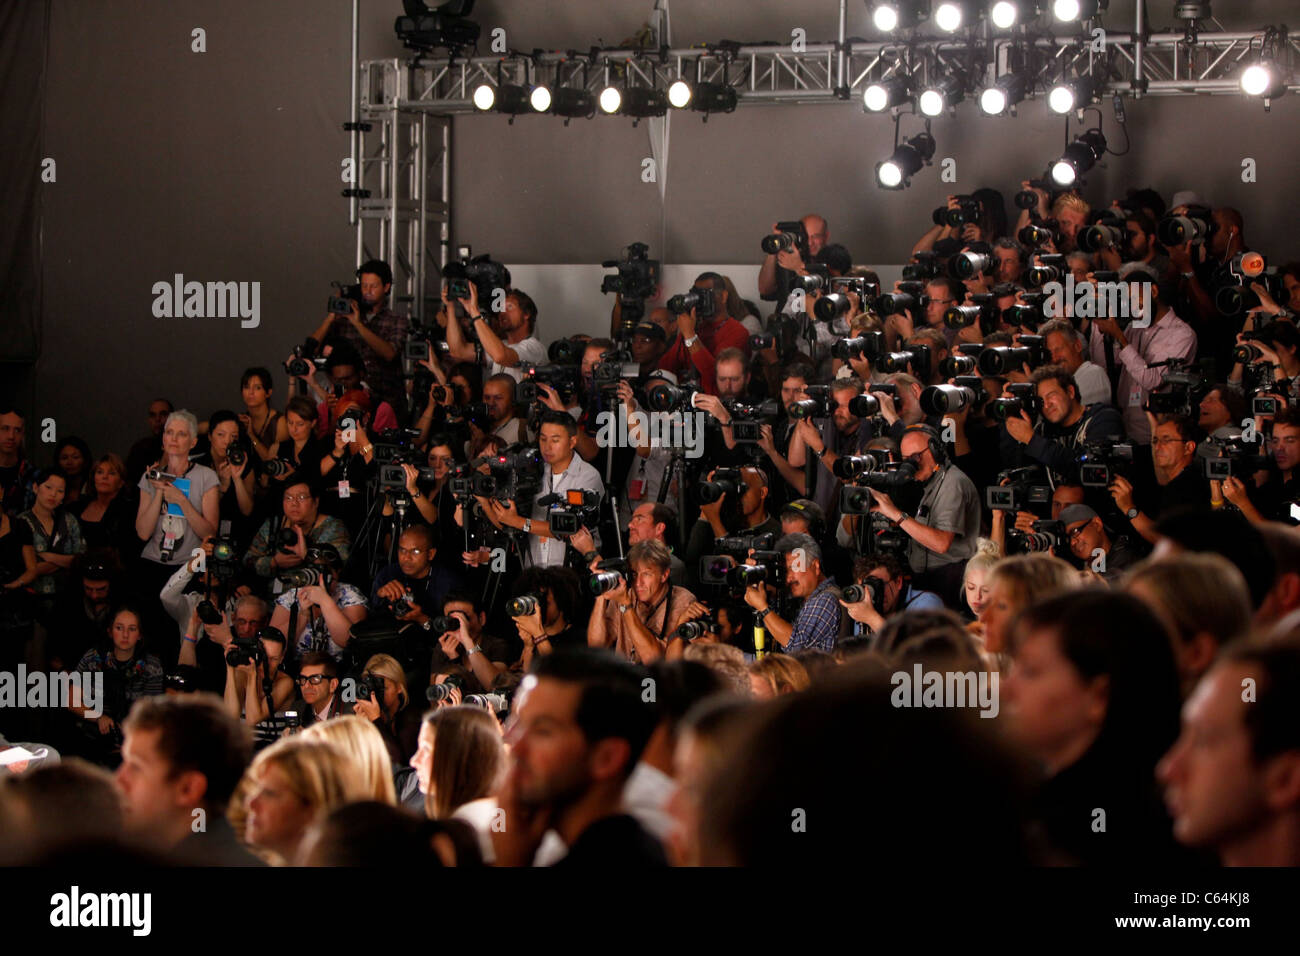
[224, 166]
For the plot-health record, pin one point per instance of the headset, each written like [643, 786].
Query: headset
[937, 447]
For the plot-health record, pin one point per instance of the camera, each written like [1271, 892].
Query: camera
[867, 345]
[1048, 536]
[666, 397]
[865, 405]
[789, 237]
[208, 612]
[955, 365]
[983, 310]
[496, 702]
[371, 685]
[399, 607]
[836, 303]
[1107, 232]
[1196, 225]
[1263, 405]
[1101, 462]
[436, 692]
[915, 359]
[157, 474]
[869, 588]
[942, 399]
[393, 477]
[747, 419]
[614, 366]
[637, 280]
[701, 300]
[602, 582]
[277, 468]
[818, 279]
[236, 454]
[725, 481]
[523, 605]
[1023, 398]
[851, 467]
[928, 265]
[907, 297]
[341, 302]
[891, 475]
[1229, 456]
[483, 272]
[698, 628]
[580, 509]
[967, 210]
[968, 265]
[1023, 493]
[244, 650]
[563, 378]
[747, 575]
[1040, 233]
[1028, 198]
[1002, 359]
[1177, 383]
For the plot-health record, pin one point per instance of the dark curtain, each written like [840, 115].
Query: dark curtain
[23, 31]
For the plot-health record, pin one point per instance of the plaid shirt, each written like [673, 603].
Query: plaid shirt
[818, 622]
[384, 378]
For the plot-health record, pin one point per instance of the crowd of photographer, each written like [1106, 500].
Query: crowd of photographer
[657, 587]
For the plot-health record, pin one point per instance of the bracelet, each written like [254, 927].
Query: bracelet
[476, 649]
[541, 640]
[691, 341]
[192, 640]
[368, 449]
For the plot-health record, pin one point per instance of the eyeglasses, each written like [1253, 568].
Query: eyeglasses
[1074, 533]
[312, 679]
[916, 459]
[1166, 441]
[300, 499]
[414, 552]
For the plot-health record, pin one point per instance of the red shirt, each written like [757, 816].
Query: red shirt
[679, 360]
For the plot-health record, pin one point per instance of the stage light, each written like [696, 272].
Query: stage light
[951, 15]
[939, 96]
[1069, 95]
[679, 94]
[1079, 157]
[540, 99]
[507, 98]
[1005, 14]
[889, 15]
[879, 97]
[426, 30]
[1068, 10]
[570, 103]
[713, 98]
[611, 100]
[485, 96]
[907, 160]
[1264, 79]
[641, 101]
[1006, 91]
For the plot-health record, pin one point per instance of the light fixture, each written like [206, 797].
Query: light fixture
[1068, 10]
[485, 96]
[937, 97]
[540, 98]
[679, 94]
[1007, 90]
[713, 98]
[1264, 78]
[508, 98]
[1069, 95]
[951, 15]
[1079, 157]
[571, 102]
[889, 15]
[611, 100]
[1005, 14]
[642, 101]
[880, 96]
[907, 160]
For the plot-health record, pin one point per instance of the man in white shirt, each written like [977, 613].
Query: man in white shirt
[508, 343]
[563, 471]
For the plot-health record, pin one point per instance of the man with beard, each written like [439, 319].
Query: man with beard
[647, 618]
[378, 335]
[580, 727]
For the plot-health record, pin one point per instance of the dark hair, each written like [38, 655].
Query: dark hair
[41, 475]
[320, 659]
[563, 583]
[274, 635]
[313, 482]
[715, 281]
[798, 369]
[835, 258]
[1058, 374]
[956, 291]
[563, 419]
[303, 407]
[195, 732]
[897, 567]
[257, 372]
[1146, 225]
[376, 835]
[462, 596]
[1233, 399]
[471, 373]
[1114, 635]
[344, 354]
[377, 267]
[526, 305]
[1229, 534]
[1273, 720]
[1188, 430]
[610, 703]
[679, 686]
[220, 417]
[72, 441]
[993, 209]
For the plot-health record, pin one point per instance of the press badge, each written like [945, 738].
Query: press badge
[636, 488]
[345, 489]
[1135, 396]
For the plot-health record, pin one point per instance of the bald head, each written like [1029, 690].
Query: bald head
[819, 233]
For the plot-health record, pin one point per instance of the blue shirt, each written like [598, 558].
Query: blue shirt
[818, 622]
[914, 600]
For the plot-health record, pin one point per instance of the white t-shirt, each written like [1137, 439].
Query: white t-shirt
[530, 350]
[173, 527]
[1093, 382]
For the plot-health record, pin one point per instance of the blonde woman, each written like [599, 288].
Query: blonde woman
[777, 675]
[975, 582]
[460, 763]
[392, 715]
[1014, 584]
[363, 745]
[290, 785]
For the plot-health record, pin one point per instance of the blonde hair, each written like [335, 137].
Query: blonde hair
[985, 557]
[1071, 201]
[1195, 594]
[363, 745]
[318, 772]
[1032, 577]
[388, 668]
[782, 673]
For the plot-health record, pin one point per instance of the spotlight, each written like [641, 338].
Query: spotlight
[879, 97]
[641, 101]
[611, 100]
[907, 160]
[951, 15]
[425, 30]
[889, 15]
[937, 98]
[1264, 79]
[1079, 157]
[507, 98]
[1069, 95]
[485, 96]
[1067, 10]
[712, 98]
[679, 94]
[570, 102]
[540, 99]
[1006, 91]
[1005, 14]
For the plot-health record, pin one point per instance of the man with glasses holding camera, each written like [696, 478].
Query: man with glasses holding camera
[1175, 482]
[639, 625]
[820, 622]
[1093, 545]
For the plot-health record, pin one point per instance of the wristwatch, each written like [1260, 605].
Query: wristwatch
[416, 493]
[623, 608]
[761, 615]
[1131, 513]
[691, 341]
[476, 649]
[528, 526]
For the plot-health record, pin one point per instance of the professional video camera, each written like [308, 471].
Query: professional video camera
[513, 475]
[483, 272]
[580, 509]
[424, 30]
[305, 360]
[1023, 492]
[1101, 461]
[564, 379]
[1002, 359]
[1023, 398]
[789, 237]
[636, 281]
[1175, 395]
[837, 304]
[392, 477]
[1048, 536]
[1235, 295]
[739, 545]
[1226, 455]
[667, 397]
[346, 294]
[397, 446]
[747, 419]
[615, 365]
[885, 476]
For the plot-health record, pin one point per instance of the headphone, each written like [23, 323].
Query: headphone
[937, 448]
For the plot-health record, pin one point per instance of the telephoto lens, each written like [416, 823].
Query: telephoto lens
[693, 629]
[603, 582]
[854, 593]
[745, 575]
[523, 605]
[864, 406]
[942, 399]
[848, 467]
[277, 467]
[437, 692]
[831, 306]
[444, 624]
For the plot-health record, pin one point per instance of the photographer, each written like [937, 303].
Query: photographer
[326, 614]
[647, 618]
[1066, 347]
[715, 332]
[563, 471]
[1222, 405]
[1068, 210]
[891, 593]
[302, 449]
[390, 711]
[507, 343]
[1174, 484]
[770, 286]
[271, 551]
[245, 693]
[483, 655]
[499, 400]
[1166, 337]
[552, 604]
[344, 368]
[1064, 427]
[237, 479]
[679, 358]
[377, 337]
[728, 515]
[1281, 491]
[415, 583]
[820, 623]
[1090, 542]
[945, 530]
[1011, 257]
[843, 434]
